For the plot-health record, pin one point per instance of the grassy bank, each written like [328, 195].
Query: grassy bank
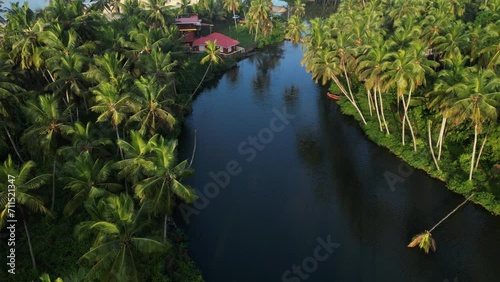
[454, 171]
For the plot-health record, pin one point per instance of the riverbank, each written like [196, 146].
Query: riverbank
[454, 179]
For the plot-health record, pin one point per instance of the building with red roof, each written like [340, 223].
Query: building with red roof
[223, 42]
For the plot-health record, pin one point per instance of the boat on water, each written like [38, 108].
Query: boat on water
[333, 96]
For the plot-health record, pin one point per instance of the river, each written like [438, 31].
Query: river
[299, 185]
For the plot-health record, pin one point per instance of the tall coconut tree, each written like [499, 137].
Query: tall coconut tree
[22, 181]
[117, 230]
[45, 132]
[163, 182]
[234, 6]
[111, 105]
[138, 153]
[152, 113]
[258, 15]
[294, 29]
[478, 104]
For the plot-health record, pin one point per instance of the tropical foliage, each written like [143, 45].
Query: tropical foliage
[427, 71]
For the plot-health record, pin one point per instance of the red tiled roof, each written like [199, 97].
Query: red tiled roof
[222, 40]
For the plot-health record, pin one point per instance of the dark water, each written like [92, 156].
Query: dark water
[317, 179]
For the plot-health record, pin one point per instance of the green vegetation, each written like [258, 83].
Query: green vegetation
[91, 103]
[423, 79]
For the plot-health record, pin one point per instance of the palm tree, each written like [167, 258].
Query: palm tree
[298, 9]
[453, 42]
[258, 14]
[158, 12]
[371, 71]
[232, 5]
[478, 104]
[8, 98]
[20, 181]
[116, 227]
[158, 65]
[110, 68]
[446, 90]
[21, 32]
[294, 30]
[137, 156]
[111, 105]
[45, 133]
[212, 57]
[152, 112]
[87, 179]
[164, 183]
[84, 138]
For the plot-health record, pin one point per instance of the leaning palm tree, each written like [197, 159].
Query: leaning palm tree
[212, 57]
[21, 181]
[424, 240]
[116, 228]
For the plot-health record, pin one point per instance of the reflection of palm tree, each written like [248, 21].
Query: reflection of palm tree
[291, 95]
[309, 148]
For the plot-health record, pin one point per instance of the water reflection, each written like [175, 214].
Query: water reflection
[291, 95]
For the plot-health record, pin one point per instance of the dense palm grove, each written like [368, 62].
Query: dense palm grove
[91, 99]
[423, 79]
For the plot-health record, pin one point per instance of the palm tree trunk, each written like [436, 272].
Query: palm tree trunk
[441, 137]
[69, 105]
[165, 228]
[256, 31]
[376, 108]
[408, 119]
[234, 17]
[430, 146]
[13, 143]
[449, 214]
[473, 152]
[53, 184]
[201, 82]
[29, 240]
[368, 96]
[342, 89]
[404, 123]
[382, 110]
[482, 147]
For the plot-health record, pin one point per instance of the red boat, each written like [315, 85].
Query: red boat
[333, 96]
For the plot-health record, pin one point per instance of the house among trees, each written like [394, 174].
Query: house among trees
[226, 44]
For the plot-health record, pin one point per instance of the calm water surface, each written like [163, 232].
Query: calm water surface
[318, 178]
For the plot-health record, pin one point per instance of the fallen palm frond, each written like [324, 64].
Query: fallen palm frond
[424, 240]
